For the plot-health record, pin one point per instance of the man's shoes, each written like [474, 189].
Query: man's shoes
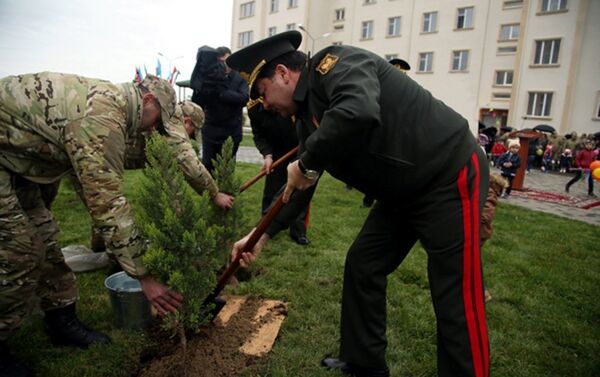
[10, 366]
[591, 194]
[64, 328]
[352, 369]
[300, 240]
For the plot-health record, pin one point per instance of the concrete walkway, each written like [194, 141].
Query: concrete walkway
[549, 189]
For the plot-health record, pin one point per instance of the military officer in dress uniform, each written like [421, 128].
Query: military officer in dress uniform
[376, 129]
[51, 125]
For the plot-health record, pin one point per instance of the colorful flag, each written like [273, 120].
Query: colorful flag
[158, 68]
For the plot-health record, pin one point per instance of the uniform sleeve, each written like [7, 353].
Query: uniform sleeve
[351, 89]
[194, 172]
[96, 146]
[259, 132]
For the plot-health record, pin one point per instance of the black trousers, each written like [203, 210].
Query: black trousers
[446, 222]
[274, 181]
[210, 150]
[578, 174]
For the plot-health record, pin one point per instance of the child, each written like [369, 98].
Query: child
[547, 162]
[497, 184]
[565, 161]
[497, 150]
[509, 162]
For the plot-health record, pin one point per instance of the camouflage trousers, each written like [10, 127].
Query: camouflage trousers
[31, 262]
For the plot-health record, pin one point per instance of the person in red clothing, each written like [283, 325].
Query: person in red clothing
[582, 162]
[497, 150]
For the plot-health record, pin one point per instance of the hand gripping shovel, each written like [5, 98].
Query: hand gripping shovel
[235, 264]
[280, 161]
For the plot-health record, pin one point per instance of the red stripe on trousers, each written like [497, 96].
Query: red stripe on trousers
[471, 279]
[478, 299]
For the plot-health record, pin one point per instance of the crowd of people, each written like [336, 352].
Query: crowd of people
[548, 152]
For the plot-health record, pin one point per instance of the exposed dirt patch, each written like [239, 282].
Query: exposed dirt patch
[213, 352]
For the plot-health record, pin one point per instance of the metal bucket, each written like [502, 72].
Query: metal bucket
[131, 309]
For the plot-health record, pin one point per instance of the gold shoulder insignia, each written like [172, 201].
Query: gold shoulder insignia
[327, 63]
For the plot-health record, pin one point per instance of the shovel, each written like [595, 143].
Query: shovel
[260, 229]
[281, 160]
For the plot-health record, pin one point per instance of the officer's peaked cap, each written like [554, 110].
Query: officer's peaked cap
[400, 64]
[250, 60]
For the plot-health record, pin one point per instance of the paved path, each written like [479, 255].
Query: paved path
[550, 184]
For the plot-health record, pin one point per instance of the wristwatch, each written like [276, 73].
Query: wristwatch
[308, 173]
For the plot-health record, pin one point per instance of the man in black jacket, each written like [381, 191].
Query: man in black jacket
[376, 129]
[274, 136]
[223, 110]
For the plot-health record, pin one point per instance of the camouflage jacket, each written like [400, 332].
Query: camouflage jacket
[52, 124]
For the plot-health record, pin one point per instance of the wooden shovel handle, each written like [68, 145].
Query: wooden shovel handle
[260, 229]
[281, 160]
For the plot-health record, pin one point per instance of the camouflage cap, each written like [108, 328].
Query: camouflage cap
[192, 110]
[164, 93]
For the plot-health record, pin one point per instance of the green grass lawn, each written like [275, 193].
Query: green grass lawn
[542, 270]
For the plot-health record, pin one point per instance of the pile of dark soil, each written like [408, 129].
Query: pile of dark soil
[212, 352]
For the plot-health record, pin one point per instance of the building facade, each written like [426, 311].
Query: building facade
[516, 63]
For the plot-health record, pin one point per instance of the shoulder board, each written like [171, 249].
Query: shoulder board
[327, 63]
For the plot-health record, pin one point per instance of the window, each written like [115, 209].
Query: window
[272, 31]
[337, 43]
[247, 9]
[507, 50]
[539, 104]
[367, 30]
[389, 57]
[393, 26]
[425, 62]
[245, 39]
[465, 18]
[274, 6]
[429, 22]
[553, 5]
[292, 3]
[340, 14]
[290, 26]
[546, 51]
[509, 32]
[460, 60]
[504, 78]
[513, 3]
[501, 96]
[369, 2]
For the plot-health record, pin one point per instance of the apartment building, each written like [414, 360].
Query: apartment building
[516, 63]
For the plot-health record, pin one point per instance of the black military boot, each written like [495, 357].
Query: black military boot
[10, 366]
[64, 328]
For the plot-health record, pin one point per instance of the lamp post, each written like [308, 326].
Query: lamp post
[170, 60]
[312, 38]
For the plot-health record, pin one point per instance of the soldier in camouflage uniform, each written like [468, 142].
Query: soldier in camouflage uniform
[178, 136]
[53, 124]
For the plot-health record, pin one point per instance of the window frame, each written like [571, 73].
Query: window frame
[561, 6]
[338, 12]
[271, 31]
[292, 4]
[509, 38]
[274, 6]
[541, 52]
[532, 104]
[370, 30]
[505, 75]
[391, 25]
[434, 23]
[460, 61]
[466, 18]
[427, 62]
[241, 35]
[244, 6]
